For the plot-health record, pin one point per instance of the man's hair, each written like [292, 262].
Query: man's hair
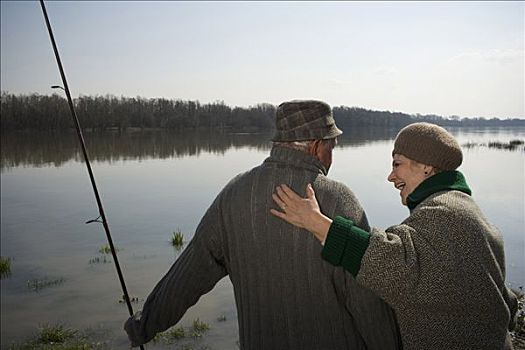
[297, 145]
[300, 145]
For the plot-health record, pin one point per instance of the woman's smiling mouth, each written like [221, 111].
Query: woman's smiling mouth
[400, 185]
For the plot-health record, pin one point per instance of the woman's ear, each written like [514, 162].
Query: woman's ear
[428, 170]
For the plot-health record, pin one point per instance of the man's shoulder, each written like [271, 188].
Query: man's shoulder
[323, 183]
[336, 198]
[242, 179]
[335, 194]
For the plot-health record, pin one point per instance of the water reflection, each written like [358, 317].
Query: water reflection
[55, 149]
[39, 149]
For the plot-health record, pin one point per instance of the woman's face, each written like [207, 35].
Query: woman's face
[407, 175]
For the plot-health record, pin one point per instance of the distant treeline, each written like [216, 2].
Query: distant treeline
[43, 112]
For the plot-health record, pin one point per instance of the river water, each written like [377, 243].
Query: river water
[154, 183]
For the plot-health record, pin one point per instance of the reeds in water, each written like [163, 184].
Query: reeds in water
[512, 145]
[175, 334]
[59, 337]
[37, 285]
[106, 249]
[177, 239]
[5, 267]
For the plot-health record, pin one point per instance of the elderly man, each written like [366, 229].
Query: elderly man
[275, 269]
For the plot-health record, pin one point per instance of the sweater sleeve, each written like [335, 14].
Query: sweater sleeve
[345, 245]
[193, 274]
[384, 261]
[375, 320]
[390, 265]
[350, 208]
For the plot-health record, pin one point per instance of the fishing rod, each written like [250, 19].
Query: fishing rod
[102, 214]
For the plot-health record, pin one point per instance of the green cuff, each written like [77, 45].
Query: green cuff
[335, 242]
[345, 245]
[355, 249]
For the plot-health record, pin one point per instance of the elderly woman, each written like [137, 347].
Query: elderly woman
[442, 269]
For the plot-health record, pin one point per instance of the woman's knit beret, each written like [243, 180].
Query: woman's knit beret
[429, 144]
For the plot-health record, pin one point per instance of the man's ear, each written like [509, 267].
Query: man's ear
[313, 147]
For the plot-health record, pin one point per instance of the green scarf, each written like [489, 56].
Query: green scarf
[445, 180]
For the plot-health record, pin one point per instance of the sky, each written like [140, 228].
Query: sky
[446, 58]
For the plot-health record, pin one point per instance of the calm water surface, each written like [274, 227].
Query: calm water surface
[154, 183]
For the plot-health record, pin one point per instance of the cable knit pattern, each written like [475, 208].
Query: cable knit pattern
[287, 297]
[443, 272]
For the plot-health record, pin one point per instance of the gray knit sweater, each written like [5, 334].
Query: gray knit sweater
[443, 271]
[287, 297]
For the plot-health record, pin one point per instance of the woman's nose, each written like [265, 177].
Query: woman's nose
[391, 177]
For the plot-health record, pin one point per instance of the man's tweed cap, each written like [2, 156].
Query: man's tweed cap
[302, 120]
[429, 144]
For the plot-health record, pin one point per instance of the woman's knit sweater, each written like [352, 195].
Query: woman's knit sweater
[442, 269]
